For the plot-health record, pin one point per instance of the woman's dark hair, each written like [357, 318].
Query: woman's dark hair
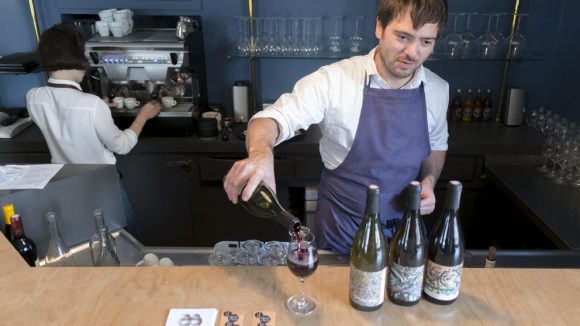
[421, 11]
[62, 47]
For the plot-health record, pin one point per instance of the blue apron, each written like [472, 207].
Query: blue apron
[391, 141]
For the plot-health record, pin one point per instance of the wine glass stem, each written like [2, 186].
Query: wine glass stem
[302, 299]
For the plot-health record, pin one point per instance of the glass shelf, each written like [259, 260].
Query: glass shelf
[345, 55]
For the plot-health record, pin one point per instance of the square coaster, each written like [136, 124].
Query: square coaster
[264, 318]
[191, 317]
[231, 317]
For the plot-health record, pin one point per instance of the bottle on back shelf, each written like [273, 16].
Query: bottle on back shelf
[368, 258]
[8, 210]
[408, 252]
[456, 106]
[445, 251]
[490, 258]
[487, 106]
[25, 246]
[477, 106]
[468, 105]
[57, 253]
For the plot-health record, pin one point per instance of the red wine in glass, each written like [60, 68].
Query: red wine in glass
[302, 262]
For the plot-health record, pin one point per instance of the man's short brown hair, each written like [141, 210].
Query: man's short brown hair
[421, 11]
[62, 47]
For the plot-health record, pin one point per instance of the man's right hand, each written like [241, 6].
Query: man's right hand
[245, 175]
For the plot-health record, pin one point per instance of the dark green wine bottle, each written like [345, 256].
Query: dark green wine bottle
[445, 253]
[368, 258]
[264, 203]
[408, 252]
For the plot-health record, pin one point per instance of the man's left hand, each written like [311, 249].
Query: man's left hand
[427, 197]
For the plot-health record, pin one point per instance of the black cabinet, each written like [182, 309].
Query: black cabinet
[217, 219]
[160, 188]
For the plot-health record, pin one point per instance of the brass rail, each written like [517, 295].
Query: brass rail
[506, 66]
[34, 19]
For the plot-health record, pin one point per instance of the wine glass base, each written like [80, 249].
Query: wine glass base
[301, 306]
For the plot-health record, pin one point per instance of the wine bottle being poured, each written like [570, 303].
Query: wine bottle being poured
[264, 203]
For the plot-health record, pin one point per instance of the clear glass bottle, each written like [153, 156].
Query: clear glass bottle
[58, 253]
[103, 248]
[99, 223]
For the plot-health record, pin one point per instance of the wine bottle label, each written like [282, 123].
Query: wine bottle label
[442, 282]
[405, 283]
[367, 289]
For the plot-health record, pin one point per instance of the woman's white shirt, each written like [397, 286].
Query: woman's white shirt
[78, 127]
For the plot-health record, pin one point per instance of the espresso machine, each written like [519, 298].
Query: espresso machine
[148, 64]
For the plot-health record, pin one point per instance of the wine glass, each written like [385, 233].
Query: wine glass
[453, 41]
[497, 34]
[517, 41]
[335, 42]
[469, 40]
[302, 260]
[487, 44]
[243, 43]
[356, 43]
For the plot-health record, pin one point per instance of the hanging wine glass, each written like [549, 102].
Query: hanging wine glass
[302, 261]
[487, 44]
[517, 42]
[335, 41]
[453, 41]
[356, 43]
[497, 34]
[469, 40]
[243, 42]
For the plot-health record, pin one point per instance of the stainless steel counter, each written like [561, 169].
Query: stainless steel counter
[554, 208]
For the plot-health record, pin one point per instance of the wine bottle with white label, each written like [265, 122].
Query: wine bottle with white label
[445, 252]
[408, 252]
[368, 258]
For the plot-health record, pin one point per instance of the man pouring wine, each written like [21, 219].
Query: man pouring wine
[383, 121]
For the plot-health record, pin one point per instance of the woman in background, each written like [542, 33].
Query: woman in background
[78, 127]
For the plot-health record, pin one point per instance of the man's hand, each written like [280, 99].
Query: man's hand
[259, 166]
[248, 173]
[427, 197]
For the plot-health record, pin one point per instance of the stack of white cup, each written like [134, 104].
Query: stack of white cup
[117, 22]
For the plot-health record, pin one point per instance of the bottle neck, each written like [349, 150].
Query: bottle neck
[53, 229]
[17, 229]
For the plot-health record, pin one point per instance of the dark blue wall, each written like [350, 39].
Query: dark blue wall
[550, 29]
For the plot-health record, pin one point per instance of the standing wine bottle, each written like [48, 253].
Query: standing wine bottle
[445, 253]
[264, 203]
[8, 211]
[25, 246]
[57, 253]
[368, 258]
[408, 253]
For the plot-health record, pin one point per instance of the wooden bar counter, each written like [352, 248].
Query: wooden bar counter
[144, 295]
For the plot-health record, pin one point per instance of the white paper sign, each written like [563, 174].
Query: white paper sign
[27, 176]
